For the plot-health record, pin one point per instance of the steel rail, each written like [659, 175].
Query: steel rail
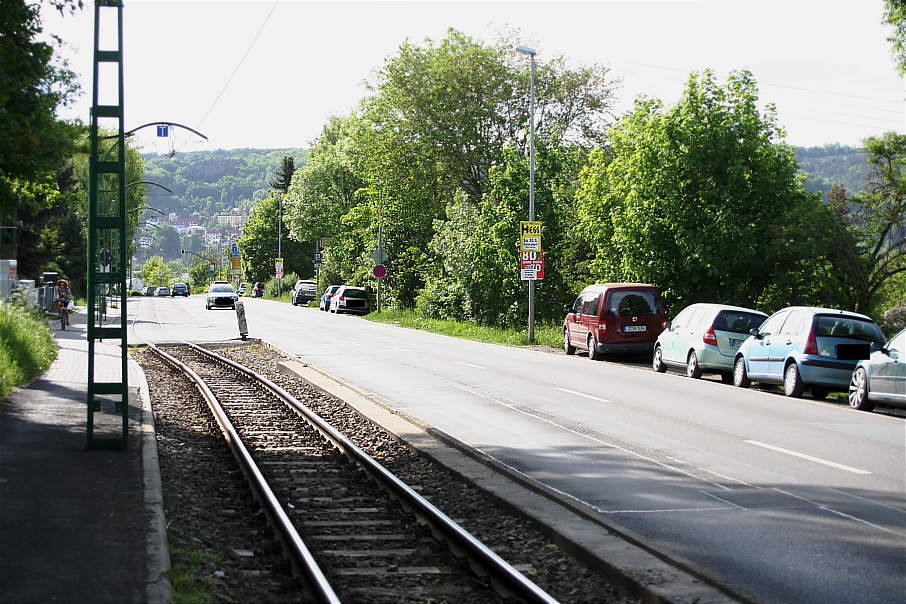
[300, 555]
[481, 558]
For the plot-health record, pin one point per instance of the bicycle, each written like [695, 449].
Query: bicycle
[63, 314]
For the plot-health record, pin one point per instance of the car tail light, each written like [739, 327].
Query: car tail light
[811, 345]
[602, 328]
[342, 298]
[709, 337]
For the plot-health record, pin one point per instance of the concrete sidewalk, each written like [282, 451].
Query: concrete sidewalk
[79, 525]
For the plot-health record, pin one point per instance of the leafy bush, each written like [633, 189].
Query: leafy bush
[27, 347]
[894, 319]
[286, 284]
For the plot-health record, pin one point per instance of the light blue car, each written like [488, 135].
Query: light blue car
[704, 338]
[803, 347]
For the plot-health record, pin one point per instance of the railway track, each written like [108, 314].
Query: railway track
[349, 527]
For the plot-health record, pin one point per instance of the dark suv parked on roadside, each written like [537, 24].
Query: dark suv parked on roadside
[614, 318]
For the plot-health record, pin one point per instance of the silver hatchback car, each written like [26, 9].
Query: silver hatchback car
[705, 338]
[881, 378]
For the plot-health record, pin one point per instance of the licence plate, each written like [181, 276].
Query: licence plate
[735, 343]
[628, 328]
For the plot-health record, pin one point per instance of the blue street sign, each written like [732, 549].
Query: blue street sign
[163, 131]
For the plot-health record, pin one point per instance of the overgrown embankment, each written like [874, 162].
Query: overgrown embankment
[27, 346]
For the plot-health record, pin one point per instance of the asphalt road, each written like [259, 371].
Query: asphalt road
[784, 500]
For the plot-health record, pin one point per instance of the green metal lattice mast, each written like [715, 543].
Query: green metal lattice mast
[107, 260]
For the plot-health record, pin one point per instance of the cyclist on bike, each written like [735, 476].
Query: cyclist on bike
[63, 296]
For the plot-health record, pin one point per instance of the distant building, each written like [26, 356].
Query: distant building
[234, 220]
[144, 242]
[196, 230]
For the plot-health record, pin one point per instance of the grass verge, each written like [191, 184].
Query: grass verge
[546, 334]
[189, 575]
[27, 347]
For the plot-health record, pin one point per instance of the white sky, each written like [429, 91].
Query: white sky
[826, 64]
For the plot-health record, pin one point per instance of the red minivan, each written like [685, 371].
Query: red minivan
[614, 318]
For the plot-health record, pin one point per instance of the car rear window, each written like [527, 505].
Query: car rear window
[737, 321]
[355, 293]
[628, 302]
[847, 327]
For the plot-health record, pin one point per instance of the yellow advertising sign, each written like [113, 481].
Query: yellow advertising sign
[530, 236]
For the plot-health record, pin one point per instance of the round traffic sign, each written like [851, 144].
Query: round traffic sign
[379, 271]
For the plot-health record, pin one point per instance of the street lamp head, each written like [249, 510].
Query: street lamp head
[526, 50]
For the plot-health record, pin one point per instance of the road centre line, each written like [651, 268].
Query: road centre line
[832, 464]
[470, 365]
[583, 395]
[592, 438]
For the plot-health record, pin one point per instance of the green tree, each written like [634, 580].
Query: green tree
[703, 199]
[872, 224]
[155, 272]
[166, 241]
[438, 119]
[284, 175]
[258, 244]
[477, 246]
[895, 16]
[32, 86]
[200, 274]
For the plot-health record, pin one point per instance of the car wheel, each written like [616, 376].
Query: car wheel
[567, 347]
[792, 381]
[819, 394]
[593, 353]
[657, 362]
[740, 376]
[233, 307]
[858, 391]
[692, 368]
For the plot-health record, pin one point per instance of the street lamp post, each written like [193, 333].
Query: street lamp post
[280, 240]
[531, 284]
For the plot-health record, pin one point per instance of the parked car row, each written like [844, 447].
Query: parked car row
[345, 299]
[799, 348]
[178, 289]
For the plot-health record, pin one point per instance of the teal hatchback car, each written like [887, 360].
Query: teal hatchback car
[704, 338]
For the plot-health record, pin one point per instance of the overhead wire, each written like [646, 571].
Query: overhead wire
[238, 65]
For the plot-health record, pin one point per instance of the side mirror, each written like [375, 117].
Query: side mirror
[893, 353]
[754, 331]
[668, 325]
[567, 309]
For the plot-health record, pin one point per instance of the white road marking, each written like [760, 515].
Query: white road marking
[592, 438]
[821, 506]
[470, 365]
[583, 395]
[832, 464]
[721, 499]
